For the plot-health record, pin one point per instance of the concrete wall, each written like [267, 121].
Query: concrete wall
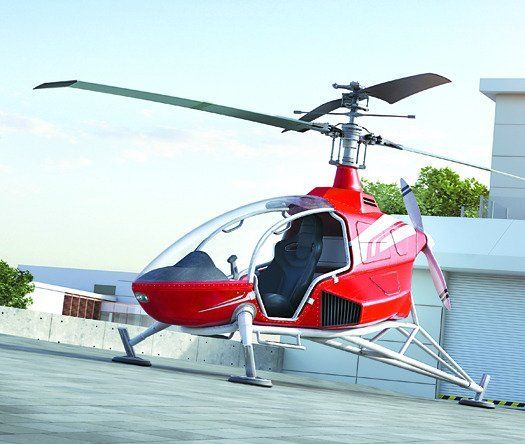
[507, 148]
[101, 334]
[323, 362]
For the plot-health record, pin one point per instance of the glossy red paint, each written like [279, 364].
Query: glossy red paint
[193, 304]
[382, 253]
[347, 178]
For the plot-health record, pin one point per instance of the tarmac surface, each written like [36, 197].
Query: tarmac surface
[55, 393]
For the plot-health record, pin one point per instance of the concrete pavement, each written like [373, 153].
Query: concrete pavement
[56, 393]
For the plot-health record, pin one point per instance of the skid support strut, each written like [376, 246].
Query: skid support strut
[363, 341]
[128, 343]
[245, 316]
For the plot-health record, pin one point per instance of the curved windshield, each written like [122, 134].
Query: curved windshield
[222, 247]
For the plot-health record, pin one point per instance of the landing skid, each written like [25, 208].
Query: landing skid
[132, 360]
[245, 315]
[360, 341]
[474, 403]
[478, 401]
[259, 382]
[128, 344]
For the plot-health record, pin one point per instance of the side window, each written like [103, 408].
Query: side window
[373, 246]
[397, 240]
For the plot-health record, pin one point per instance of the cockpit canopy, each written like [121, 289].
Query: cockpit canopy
[207, 253]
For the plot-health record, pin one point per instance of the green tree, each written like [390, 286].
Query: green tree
[387, 196]
[439, 192]
[15, 284]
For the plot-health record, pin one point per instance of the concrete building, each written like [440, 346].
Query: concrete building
[111, 288]
[507, 150]
[68, 301]
[112, 283]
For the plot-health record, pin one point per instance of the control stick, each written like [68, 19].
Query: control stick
[232, 260]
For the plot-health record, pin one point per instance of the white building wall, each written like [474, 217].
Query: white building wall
[50, 298]
[47, 299]
[507, 150]
[83, 279]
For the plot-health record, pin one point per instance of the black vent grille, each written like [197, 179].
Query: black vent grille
[369, 201]
[339, 311]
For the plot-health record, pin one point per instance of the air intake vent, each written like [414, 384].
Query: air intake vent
[339, 311]
[369, 201]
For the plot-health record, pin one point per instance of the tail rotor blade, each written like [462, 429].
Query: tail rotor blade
[411, 205]
[435, 271]
[437, 277]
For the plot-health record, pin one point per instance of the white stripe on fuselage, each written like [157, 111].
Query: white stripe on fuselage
[382, 226]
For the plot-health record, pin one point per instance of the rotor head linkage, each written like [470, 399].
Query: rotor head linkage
[352, 86]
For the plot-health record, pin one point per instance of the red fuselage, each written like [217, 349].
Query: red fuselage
[378, 282]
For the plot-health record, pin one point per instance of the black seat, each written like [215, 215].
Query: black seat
[284, 282]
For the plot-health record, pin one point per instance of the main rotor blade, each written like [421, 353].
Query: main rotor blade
[266, 119]
[399, 89]
[448, 159]
[321, 110]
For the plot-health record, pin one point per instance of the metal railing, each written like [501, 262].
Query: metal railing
[489, 209]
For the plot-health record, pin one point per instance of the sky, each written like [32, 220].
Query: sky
[96, 181]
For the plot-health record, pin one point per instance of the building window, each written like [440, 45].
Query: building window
[108, 290]
[81, 307]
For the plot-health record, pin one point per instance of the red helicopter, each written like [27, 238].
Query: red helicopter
[328, 266]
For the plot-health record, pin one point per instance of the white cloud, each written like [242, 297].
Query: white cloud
[164, 142]
[147, 112]
[135, 155]
[17, 123]
[68, 165]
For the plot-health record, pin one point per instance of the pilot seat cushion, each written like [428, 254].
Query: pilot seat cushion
[284, 282]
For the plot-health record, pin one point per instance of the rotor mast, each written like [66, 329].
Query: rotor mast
[348, 159]
[349, 152]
